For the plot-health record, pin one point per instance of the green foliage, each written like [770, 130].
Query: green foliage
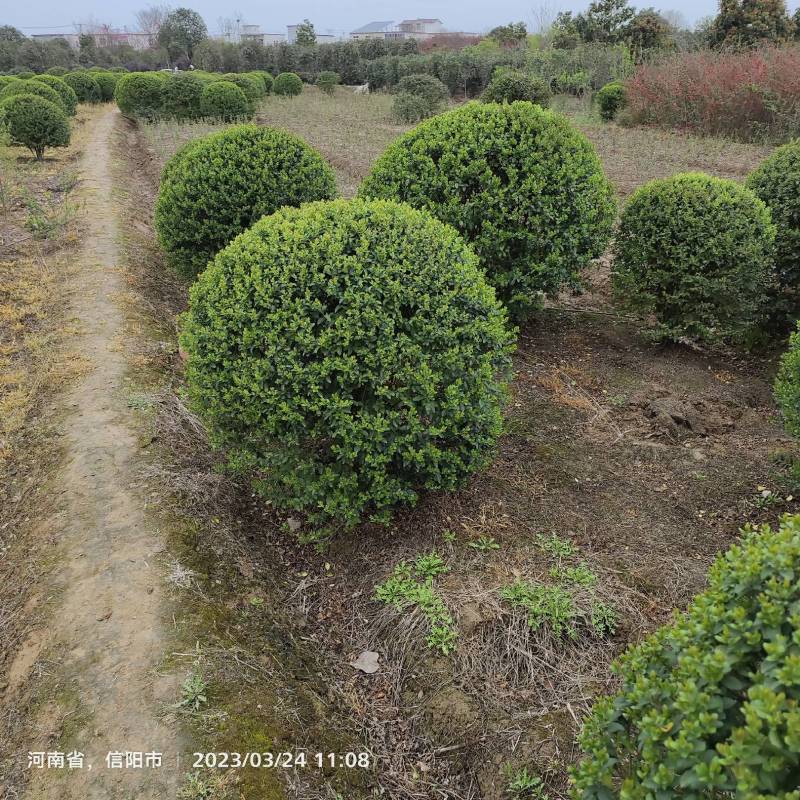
[708, 705]
[85, 86]
[251, 85]
[57, 71]
[787, 385]
[512, 35]
[411, 585]
[226, 101]
[216, 187]
[287, 84]
[522, 186]
[181, 96]
[425, 86]
[555, 545]
[579, 575]
[348, 355]
[305, 35]
[411, 108]
[544, 605]
[610, 100]
[523, 785]
[32, 86]
[696, 252]
[509, 85]
[68, 97]
[777, 183]
[181, 32]
[266, 79]
[107, 81]
[141, 94]
[35, 123]
[328, 81]
[742, 23]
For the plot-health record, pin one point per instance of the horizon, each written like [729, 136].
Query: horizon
[347, 17]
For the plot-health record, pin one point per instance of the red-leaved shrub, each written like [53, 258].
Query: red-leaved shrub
[750, 95]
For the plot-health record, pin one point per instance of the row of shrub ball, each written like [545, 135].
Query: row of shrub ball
[35, 111]
[196, 95]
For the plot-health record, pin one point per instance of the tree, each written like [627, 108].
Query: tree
[564, 33]
[181, 32]
[149, 20]
[648, 29]
[305, 35]
[744, 23]
[605, 21]
[796, 20]
[511, 35]
[87, 49]
[8, 33]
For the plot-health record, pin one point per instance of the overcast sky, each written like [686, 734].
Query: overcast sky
[40, 16]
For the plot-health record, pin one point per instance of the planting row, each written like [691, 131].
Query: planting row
[195, 95]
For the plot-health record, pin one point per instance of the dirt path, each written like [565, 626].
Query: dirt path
[108, 629]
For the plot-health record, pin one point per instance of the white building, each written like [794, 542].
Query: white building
[421, 28]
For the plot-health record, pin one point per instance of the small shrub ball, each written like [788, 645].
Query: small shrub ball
[427, 86]
[32, 86]
[35, 123]
[348, 355]
[85, 86]
[68, 97]
[181, 96]
[411, 108]
[695, 252]
[328, 81]
[287, 84]
[252, 86]
[225, 101]
[511, 85]
[265, 77]
[777, 183]
[107, 81]
[215, 188]
[611, 99]
[519, 183]
[787, 385]
[141, 94]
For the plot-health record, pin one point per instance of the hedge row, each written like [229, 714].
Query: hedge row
[195, 95]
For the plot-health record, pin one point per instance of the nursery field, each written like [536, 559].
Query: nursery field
[623, 469]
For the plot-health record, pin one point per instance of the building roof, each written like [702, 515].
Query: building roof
[374, 27]
[419, 19]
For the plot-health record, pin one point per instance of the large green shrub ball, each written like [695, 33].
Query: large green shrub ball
[348, 355]
[287, 84]
[427, 86]
[411, 108]
[107, 81]
[518, 182]
[32, 86]
[85, 86]
[141, 94]
[6, 79]
[611, 99]
[225, 101]
[777, 183]
[265, 77]
[709, 706]
[35, 123]
[58, 71]
[787, 385]
[182, 96]
[696, 252]
[217, 187]
[68, 97]
[511, 84]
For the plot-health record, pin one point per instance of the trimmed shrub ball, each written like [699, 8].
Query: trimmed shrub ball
[141, 94]
[511, 84]
[696, 252]
[217, 187]
[328, 81]
[777, 183]
[348, 355]
[251, 85]
[408, 107]
[6, 79]
[35, 123]
[611, 99]
[107, 81]
[787, 385]
[287, 84]
[32, 86]
[226, 101]
[68, 97]
[85, 86]
[517, 181]
[707, 706]
[265, 78]
[58, 71]
[181, 96]
[432, 89]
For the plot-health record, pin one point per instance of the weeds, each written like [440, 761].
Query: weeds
[555, 545]
[580, 575]
[544, 604]
[603, 618]
[522, 785]
[194, 693]
[485, 543]
[411, 585]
